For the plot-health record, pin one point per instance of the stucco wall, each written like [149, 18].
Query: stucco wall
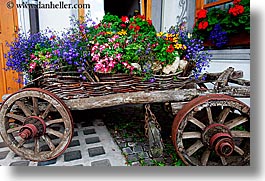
[59, 19]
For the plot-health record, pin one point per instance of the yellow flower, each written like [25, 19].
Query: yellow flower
[108, 32]
[122, 32]
[184, 47]
[159, 34]
[178, 46]
[169, 35]
[175, 39]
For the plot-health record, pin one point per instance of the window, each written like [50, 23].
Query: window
[206, 4]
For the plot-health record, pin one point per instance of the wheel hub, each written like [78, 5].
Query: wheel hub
[33, 126]
[218, 138]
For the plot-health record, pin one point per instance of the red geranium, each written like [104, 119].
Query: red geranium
[123, 25]
[141, 16]
[131, 27]
[149, 22]
[125, 19]
[170, 49]
[237, 10]
[236, 1]
[202, 13]
[203, 25]
[137, 28]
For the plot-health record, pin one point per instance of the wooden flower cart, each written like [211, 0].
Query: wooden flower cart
[211, 127]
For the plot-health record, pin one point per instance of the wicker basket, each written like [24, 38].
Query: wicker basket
[68, 85]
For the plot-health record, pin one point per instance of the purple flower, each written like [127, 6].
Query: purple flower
[152, 80]
[218, 36]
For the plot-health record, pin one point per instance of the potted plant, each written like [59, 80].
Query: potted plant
[224, 27]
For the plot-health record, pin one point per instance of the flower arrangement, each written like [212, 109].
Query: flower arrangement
[115, 45]
[218, 25]
[30, 53]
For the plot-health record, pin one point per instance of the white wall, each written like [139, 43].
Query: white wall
[59, 19]
[170, 12]
[56, 19]
[23, 18]
[96, 10]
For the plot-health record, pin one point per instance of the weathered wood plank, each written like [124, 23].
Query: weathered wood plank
[176, 106]
[196, 122]
[214, 76]
[240, 134]
[131, 98]
[234, 91]
[195, 147]
[190, 135]
[222, 80]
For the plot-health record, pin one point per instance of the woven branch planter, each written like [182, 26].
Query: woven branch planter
[68, 85]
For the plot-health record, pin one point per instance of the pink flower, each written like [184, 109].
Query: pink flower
[111, 64]
[131, 68]
[48, 55]
[94, 48]
[32, 66]
[110, 58]
[123, 25]
[118, 56]
[116, 45]
[95, 57]
[32, 56]
[116, 37]
[101, 48]
[125, 64]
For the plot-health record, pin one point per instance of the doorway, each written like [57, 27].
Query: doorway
[121, 7]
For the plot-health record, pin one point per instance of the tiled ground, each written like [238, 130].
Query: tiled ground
[91, 145]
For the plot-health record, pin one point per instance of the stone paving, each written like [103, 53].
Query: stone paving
[92, 145]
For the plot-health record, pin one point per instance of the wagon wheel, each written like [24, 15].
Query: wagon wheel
[36, 124]
[213, 130]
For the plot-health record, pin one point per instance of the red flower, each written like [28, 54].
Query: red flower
[149, 22]
[202, 13]
[123, 25]
[203, 25]
[125, 19]
[140, 16]
[236, 1]
[52, 37]
[131, 27]
[170, 49]
[137, 28]
[237, 10]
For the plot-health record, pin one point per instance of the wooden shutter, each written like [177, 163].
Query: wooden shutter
[146, 8]
[8, 27]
